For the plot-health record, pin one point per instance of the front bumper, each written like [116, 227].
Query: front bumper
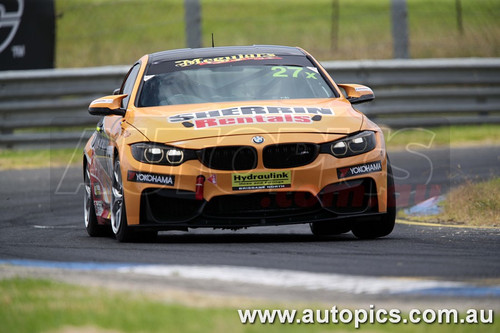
[172, 209]
[318, 191]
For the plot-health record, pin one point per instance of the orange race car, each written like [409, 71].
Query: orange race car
[233, 137]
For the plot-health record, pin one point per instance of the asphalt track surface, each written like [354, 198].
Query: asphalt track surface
[41, 219]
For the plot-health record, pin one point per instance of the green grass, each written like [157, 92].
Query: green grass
[29, 305]
[107, 32]
[474, 204]
[40, 158]
[454, 136]
[39, 305]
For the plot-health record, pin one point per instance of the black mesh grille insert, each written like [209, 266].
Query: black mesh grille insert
[262, 204]
[289, 155]
[229, 158]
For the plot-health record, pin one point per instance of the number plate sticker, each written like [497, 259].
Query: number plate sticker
[261, 180]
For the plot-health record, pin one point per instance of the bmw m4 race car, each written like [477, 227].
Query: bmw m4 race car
[234, 137]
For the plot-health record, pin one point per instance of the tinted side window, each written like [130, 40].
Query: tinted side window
[128, 83]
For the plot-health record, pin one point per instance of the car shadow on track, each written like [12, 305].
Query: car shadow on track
[253, 238]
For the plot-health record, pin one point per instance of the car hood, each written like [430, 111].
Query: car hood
[196, 121]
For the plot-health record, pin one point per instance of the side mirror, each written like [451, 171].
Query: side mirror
[116, 91]
[108, 105]
[357, 93]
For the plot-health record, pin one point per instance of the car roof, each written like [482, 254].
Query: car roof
[222, 51]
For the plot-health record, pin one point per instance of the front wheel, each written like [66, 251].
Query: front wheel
[119, 225]
[385, 224]
[94, 229]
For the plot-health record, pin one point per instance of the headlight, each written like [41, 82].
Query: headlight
[350, 146]
[155, 153]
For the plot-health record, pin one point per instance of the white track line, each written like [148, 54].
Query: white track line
[293, 279]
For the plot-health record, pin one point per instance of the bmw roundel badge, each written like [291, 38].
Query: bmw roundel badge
[258, 139]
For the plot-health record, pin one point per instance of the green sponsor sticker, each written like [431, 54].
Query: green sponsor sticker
[261, 180]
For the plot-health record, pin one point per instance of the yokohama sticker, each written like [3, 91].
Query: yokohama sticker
[150, 178]
[359, 169]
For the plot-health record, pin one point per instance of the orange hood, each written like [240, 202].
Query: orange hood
[175, 123]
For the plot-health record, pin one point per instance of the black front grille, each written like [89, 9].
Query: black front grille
[289, 155]
[229, 158]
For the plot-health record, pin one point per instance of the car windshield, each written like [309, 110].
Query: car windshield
[227, 79]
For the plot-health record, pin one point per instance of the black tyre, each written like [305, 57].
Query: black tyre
[119, 225]
[369, 229]
[329, 228]
[94, 229]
